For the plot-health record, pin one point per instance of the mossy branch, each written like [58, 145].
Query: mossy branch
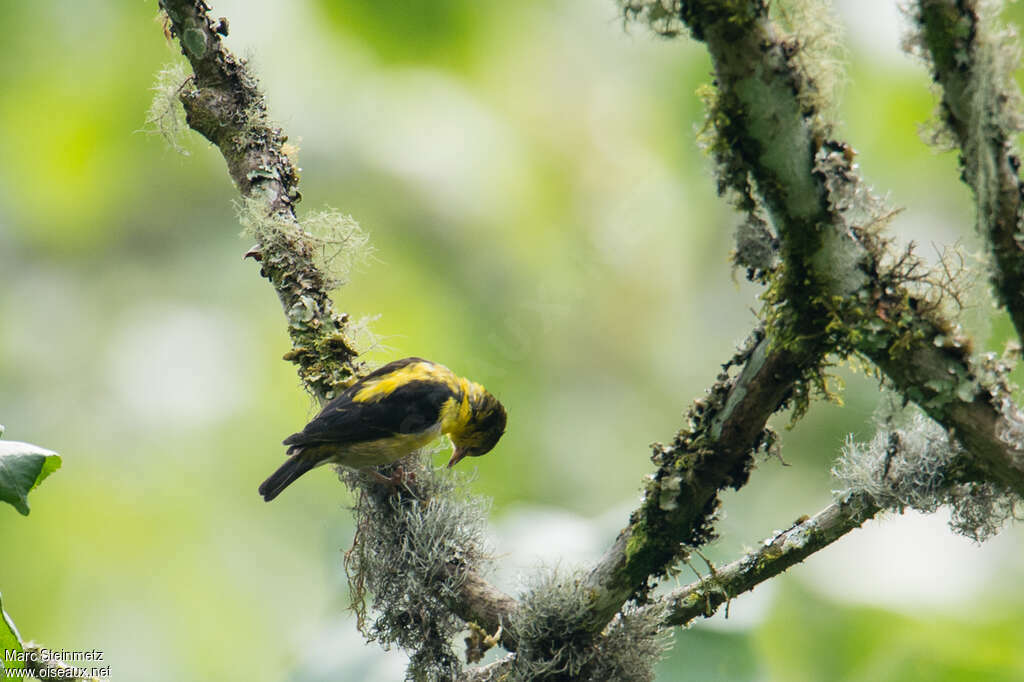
[833, 294]
[834, 287]
[980, 109]
[714, 453]
[908, 466]
[773, 556]
[223, 102]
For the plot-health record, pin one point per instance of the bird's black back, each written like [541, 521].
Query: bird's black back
[411, 407]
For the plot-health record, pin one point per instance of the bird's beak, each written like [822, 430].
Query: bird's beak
[456, 456]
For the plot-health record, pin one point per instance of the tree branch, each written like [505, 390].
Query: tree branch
[481, 603]
[681, 498]
[834, 288]
[223, 103]
[980, 107]
[771, 128]
[775, 555]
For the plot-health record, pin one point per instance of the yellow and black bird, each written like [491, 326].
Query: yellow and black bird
[388, 414]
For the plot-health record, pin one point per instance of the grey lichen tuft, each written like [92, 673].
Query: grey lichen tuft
[413, 547]
[363, 336]
[900, 468]
[816, 35]
[980, 510]
[166, 116]
[334, 241]
[631, 646]
[262, 226]
[339, 244]
[554, 644]
[914, 467]
[550, 627]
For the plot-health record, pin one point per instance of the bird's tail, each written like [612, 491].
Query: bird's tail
[294, 466]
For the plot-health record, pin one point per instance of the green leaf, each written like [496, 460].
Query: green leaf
[10, 641]
[23, 466]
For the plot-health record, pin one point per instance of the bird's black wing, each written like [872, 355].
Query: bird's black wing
[410, 408]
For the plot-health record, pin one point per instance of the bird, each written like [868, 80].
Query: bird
[389, 413]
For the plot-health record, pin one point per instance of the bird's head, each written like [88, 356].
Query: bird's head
[482, 428]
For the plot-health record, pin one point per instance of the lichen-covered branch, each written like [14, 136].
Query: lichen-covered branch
[716, 452]
[224, 104]
[908, 465]
[775, 555]
[430, 531]
[916, 464]
[416, 548]
[835, 286]
[981, 111]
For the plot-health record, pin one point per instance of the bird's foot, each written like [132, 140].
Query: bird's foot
[399, 478]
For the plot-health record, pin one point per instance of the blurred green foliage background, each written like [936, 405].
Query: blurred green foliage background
[543, 221]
